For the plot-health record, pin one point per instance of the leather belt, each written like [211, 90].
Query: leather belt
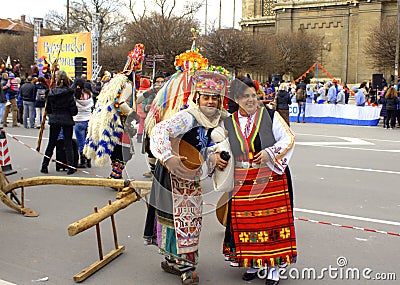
[246, 164]
[262, 180]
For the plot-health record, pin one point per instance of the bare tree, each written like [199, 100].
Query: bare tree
[160, 35]
[243, 52]
[82, 14]
[235, 50]
[167, 8]
[295, 52]
[113, 58]
[382, 48]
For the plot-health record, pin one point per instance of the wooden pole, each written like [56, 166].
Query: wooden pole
[98, 234]
[114, 228]
[22, 195]
[220, 12]
[234, 12]
[205, 21]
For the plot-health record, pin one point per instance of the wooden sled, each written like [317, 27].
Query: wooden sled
[124, 187]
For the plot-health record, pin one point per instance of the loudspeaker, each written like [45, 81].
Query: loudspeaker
[275, 79]
[377, 81]
[80, 66]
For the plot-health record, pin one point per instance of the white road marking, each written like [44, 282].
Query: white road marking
[2, 282]
[326, 136]
[360, 148]
[358, 169]
[347, 217]
[347, 141]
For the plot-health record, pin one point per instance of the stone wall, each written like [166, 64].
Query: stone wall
[342, 25]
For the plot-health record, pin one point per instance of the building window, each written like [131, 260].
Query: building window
[268, 6]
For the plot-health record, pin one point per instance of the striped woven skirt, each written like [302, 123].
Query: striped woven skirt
[260, 227]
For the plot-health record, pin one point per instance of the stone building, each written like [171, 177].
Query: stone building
[343, 26]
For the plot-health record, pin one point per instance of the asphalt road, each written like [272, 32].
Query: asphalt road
[343, 175]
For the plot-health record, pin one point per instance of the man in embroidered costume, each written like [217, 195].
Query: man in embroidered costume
[108, 133]
[260, 228]
[176, 193]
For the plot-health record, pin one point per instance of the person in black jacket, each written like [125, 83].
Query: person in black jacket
[41, 92]
[27, 92]
[282, 102]
[60, 107]
[392, 101]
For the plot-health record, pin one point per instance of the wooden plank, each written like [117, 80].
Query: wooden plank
[85, 273]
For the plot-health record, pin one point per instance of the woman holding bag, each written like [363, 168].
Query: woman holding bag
[41, 91]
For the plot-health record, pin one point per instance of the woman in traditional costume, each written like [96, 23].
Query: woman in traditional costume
[260, 228]
[180, 144]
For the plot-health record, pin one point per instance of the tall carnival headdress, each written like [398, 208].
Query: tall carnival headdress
[134, 60]
[180, 90]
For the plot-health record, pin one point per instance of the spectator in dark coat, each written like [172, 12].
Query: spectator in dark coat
[27, 92]
[392, 101]
[39, 104]
[61, 107]
[382, 100]
[3, 82]
[282, 102]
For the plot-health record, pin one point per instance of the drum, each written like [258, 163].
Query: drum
[182, 148]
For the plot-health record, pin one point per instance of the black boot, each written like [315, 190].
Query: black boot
[45, 165]
[44, 170]
[82, 163]
[70, 162]
[88, 163]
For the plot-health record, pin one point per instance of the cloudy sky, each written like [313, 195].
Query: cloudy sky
[39, 8]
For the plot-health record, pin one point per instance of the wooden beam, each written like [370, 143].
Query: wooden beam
[85, 273]
[78, 181]
[103, 213]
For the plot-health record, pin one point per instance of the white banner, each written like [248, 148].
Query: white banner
[337, 114]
